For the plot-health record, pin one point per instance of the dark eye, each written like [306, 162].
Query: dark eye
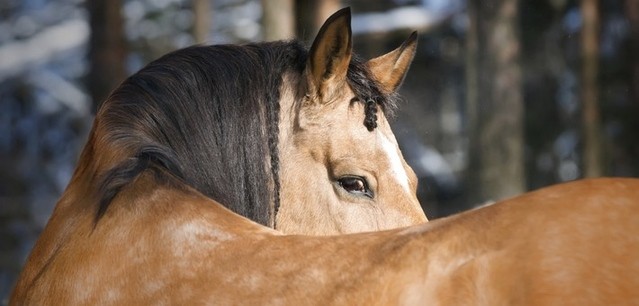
[355, 185]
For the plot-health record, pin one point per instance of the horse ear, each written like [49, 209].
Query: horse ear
[390, 69]
[330, 53]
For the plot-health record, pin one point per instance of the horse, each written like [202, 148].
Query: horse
[293, 139]
[160, 239]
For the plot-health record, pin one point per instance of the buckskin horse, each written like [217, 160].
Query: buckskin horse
[296, 142]
[149, 236]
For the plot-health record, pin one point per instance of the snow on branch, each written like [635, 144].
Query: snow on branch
[16, 57]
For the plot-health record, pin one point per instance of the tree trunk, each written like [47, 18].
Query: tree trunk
[311, 14]
[593, 159]
[107, 49]
[495, 104]
[632, 14]
[278, 19]
[471, 124]
[201, 20]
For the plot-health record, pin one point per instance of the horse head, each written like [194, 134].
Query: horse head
[341, 168]
[293, 139]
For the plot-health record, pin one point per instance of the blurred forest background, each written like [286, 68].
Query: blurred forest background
[504, 96]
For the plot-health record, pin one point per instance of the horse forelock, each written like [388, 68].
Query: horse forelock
[209, 115]
[369, 92]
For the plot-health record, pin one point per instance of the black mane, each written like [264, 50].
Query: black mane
[209, 115]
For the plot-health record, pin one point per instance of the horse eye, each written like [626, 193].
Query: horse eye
[355, 185]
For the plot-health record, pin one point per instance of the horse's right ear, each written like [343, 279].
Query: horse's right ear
[330, 55]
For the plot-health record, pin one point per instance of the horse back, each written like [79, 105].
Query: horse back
[569, 244]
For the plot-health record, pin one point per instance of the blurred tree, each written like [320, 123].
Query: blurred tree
[494, 101]
[632, 13]
[547, 93]
[311, 14]
[472, 101]
[202, 20]
[278, 19]
[107, 48]
[593, 159]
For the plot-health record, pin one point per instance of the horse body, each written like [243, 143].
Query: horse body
[568, 244]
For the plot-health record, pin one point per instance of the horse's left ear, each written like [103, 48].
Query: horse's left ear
[390, 69]
[330, 54]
